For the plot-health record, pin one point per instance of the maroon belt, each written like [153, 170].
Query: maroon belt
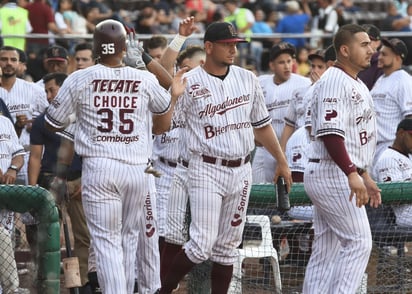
[359, 170]
[169, 163]
[184, 163]
[225, 162]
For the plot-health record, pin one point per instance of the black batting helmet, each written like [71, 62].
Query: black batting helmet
[109, 38]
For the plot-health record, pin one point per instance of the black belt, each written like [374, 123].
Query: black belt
[225, 162]
[184, 163]
[359, 170]
[169, 163]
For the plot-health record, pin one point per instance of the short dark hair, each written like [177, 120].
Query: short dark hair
[155, 41]
[59, 77]
[10, 48]
[345, 34]
[83, 46]
[189, 52]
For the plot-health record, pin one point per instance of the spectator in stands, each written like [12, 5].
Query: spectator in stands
[146, 22]
[302, 61]
[326, 20]
[371, 74]
[394, 21]
[14, 20]
[243, 20]
[42, 20]
[294, 22]
[395, 165]
[260, 26]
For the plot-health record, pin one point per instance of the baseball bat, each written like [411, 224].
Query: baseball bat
[74, 263]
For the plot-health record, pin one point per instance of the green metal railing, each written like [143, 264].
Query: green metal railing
[40, 203]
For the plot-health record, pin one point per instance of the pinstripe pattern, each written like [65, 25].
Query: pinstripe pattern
[297, 150]
[175, 232]
[278, 97]
[29, 99]
[95, 135]
[393, 166]
[341, 227]
[392, 97]
[115, 203]
[277, 100]
[220, 114]
[340, 105]
[163, 185]
[295, 114]
[224, 197]
[344, 107]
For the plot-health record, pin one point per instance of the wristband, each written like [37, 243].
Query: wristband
[146, 58]
[62, 170]
[177, 43]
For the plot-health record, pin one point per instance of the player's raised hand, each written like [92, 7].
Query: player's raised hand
[179, 83]
[134, 50]
[187, 26]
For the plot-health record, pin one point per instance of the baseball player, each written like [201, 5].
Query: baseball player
[222, 117]
[395, 165]
[277, 89]
[176, 223]
[113, 105]
[24, 100]
[11, 161]
[392, 92]
[335, 179]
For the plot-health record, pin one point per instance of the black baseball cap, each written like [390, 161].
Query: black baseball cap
[373, 31]
[330, 53]
[222, 32]
[320, 54]
[56, 53]
[282, 47]
[397, 46]
[406, 125]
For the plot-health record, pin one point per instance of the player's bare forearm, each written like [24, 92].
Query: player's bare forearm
[286, 133]
[9, 177]
[267, 137]
[161, 73]
[34, 163]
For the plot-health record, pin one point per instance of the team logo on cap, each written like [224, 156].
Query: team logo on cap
[55, 52]
[232, 30]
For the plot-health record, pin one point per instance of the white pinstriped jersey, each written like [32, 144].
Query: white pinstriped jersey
[166, 145]
[25, 98]
[392, 97]
[297, 150]
[114, 109]
[392, 166]
[220, 115]
[9, 143]
[343, 106]
[307, 101]
[278, 97]
[296, 111]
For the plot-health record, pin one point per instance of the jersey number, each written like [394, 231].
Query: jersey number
[108, 48]
[126, 126]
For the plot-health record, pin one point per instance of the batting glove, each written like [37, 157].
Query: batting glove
[134, 50]
[58, 187]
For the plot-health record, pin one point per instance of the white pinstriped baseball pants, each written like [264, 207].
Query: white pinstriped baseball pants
[343, 241]
[117, 199]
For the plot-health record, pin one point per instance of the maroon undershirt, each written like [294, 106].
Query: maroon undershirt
[335, 145]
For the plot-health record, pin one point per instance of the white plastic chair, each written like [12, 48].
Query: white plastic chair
[253, 249]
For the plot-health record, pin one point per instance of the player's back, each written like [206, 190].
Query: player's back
[114, 109]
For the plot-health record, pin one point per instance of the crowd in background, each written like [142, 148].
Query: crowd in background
[251, 18]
